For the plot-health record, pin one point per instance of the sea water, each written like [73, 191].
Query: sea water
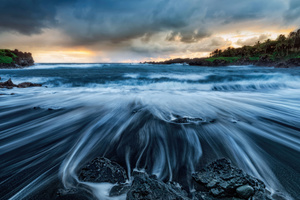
[168, 120]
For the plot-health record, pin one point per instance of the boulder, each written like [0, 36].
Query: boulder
[245, 191]
[28, 84]
[10, 85]
[7, 84]
[103, 170]
[220, 179]
[147, 188]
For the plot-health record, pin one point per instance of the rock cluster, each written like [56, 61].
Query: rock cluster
[218, 180]
[10, 85]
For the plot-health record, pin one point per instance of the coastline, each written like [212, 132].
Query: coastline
[263, 61]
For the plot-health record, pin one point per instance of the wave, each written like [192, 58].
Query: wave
[163, 134]
[65, 65]
[161, 119]
[192, 77]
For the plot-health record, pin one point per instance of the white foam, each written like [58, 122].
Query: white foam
[187, 77]
[65, 65]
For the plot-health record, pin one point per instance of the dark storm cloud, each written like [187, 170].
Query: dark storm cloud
[119, 21]
[187, 36]
[28, 16]
[232, 11]
[192, 37]
[192, 20]
[172, 36]
[93, 21]
[293, 12]
[139, 26]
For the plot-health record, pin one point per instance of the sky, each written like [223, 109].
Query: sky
[139, 30]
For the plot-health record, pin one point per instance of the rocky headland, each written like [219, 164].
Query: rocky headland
[15, 59]
[219, 180]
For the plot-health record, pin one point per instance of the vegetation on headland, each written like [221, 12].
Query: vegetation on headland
[229, 59]
[282, 52]
[15, 58]
[6, 56]
[284, 47]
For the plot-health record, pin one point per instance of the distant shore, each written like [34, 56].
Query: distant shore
[284, 52]
[264, 61]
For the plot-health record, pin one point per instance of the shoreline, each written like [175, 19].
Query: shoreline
[263, 61]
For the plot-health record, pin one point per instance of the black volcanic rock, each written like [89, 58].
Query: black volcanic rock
[23, 58]
[103, 170]
[217, 181]
[10, 85]
[293, 62]
[282, 65]
[200, 62]
[220, 63]
[7, 84]
[119, 189]
[28, 84]
[221, 180]
[146, 187]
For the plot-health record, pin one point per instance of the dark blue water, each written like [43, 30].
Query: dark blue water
[133, 114]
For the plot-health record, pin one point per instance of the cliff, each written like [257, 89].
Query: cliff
[15, 59]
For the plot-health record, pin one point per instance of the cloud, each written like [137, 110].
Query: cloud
[28, 16]
[253, 40]
[118, 21]
[138, 27]
[293, 13]
[173, 36]
[187, 36]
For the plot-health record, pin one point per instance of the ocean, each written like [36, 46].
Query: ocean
[168, 120]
